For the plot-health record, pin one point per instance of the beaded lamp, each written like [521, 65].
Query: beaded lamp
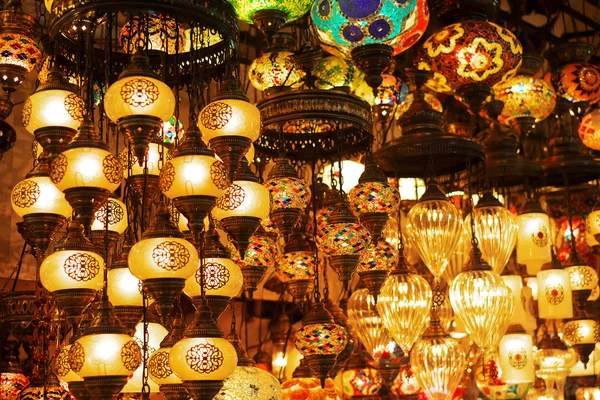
[296, 268]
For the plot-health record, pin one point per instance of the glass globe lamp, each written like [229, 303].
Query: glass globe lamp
[525, 96]
[367, 323]
[117, 223]
[576, 82]
[63, 368]
[582, 335]
[12, 384]
[251, 381]
[259, 257]
[404, 305]
[157, 32]
[589, 129]
[274, 69]
[472, 52]
[296, 268]
[333, 72]
[533, 248]
[460, 257]
[386, 23]
[435, 226]
[266, 12]
[19, 54]
[496, 230]
[582, 278]
[360, 382]
[303, 386]
[554, 294]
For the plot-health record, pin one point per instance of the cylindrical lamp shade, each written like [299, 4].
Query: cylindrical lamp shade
[533, 244]
[582, 277]
[87, 167]
[229, 117]
[516, 358]
[156, 152]
[124, 289]
[53, 108]
[193, 176]
[106, 354]
[159, 368]
[63, 368]
[163, 258]
[38, 195]
[72, 269]
[244, 199]
[581, 331]
[554, 294]
[194, 359]
[139, 95]
[117, 217]
[222, 277]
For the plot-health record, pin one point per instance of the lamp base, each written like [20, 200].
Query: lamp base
[269, 21]
[203, 390]
[174, 392]
[372, 60]
[73, 302]
[217, 304]
[195, 209]
[79, 390]
[321, 365]
[140, 130]
[285, 219]
[98, 240]
[105, 387]
[85, 202]
[129, 316]
[253, 275]
[374, 222]
[164, 291]
[54, 140]
[344, 266]
[373, 281]
[43, 226]
[240, 229]
[145, 185]
[299, 289]
[230, 150]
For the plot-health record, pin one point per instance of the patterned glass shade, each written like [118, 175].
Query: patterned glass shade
[581, 331]
[555, 298]
[52, 108]
[72, 269]
[229, 117]
[344, 239]
[381, 256]
[117, 217]
[105, 354]
[525, 96]
[222, 277]
[516, 358]
[438, 363]
[582, 277]
[293, 9]
[576, 82]
[404, 305]
[154, 32]
[496, 230]
[321, 339]
[390, 234]
[172, 132]
[295, 265]
[156, 153]
[203, 359]
[342, 25]
[373, 197]
[38, 195]
[250, 382]
[63, 368]
[261, 252]
[124, 289]
[88, 167]
[589, 129]
[37, 391]
[554, 363]
[533, 249]
[139, 95]
[288, 192]
[357, 383]
[274, 69]
[470, 52]
[243, 199]
[310, 389]
[163, 257]
[367, 323]
[484, 303]
[335, 71]
[159, 368]
[193, 175]
[392, 91]
[19, 50]
[11, 384]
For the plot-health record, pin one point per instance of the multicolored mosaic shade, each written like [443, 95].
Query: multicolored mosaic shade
[292, 9]
[361, 382]
[274, 69]
[392, 91]
[171, 133]
[576, 82]
[344, 239]
[321, 339]
[412, 35]
[380, 256]
[288, 192]
[295, 265]
[334, 71]
[342, 25]
[261, 252]
[373, 197]
[155, 32]
[19, 50]
[525, 96]
[589, 129]
[470, 52]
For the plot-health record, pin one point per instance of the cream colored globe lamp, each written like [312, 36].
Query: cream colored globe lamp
[114, 214]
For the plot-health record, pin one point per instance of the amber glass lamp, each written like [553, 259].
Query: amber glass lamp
[274, 70]
[555, 297]
[73, 273]
[589, 129]
[258, 258]
[533, 247]
[158, 32]
[145, 184]
[333, 71]
[114, 214]
[582, 336]
[87, 173]
[139, 102]
[525, 96]
[163, 260]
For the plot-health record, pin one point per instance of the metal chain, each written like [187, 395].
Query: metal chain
[474, 240]
[145, 385]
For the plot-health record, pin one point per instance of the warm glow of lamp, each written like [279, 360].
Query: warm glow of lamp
[520, 315]
[360, 382]
[582, 277]
[333, 71]
[163, 257]
[247, 10]
[117, 217]
[193, 175]
[351, 171]
[105, 354]
[222, 277]
[229, 117]
[243, 199]
[589, 129]
[525, 96]
[38, 195]
[63, 368]
[367, 323]
[532, 283]
[581, 331]
[554, 294]
[156, 31]
[253, 381]
[274, 69]
[516, 358]
[533, 248]
[156, 153]
[124, 289]
[310, 389]
[196, 358]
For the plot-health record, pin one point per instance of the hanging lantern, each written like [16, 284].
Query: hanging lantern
[259, 256]
[344, 241]
[145, 178]
[332, 72]
[296, 268]
[203, 359]
[163, 260]
[374, 265]
[435, 226]
[367, 323]
[12, 379]
[320, 340]
[49, 389]
[582, 336]
[290, 196]
[554, 294]
[482, 301]
[460, 257]
[125, 291]
[53, 113]
[223, 278]
[358, 379]
[404, 304]
[373, 199]
[525, 96]
[73, 273]
[139, 102]
[589, 129]
[274, 69]
[87, 173]
[243, 206]
[303, 386]
[230, 123]
[117, 223]
[533, 249]
[516, 358]
[582, 277]
[496, 230]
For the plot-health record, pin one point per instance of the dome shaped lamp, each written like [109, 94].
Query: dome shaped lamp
[230, 123]
[73, 273]
[113, 212]
[139, 102]
[223, 278]
[296, 268]
[290, 196]
[203, 359]
[87, 173]
[53, 113]
[163, 260]
[259, 257]
[320, 340]
[194, 179]
[243, 206]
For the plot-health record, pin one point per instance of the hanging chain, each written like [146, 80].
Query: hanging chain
[431, 169]
[474, 240]
[325, 282]
[145, 385]
[314, 204]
